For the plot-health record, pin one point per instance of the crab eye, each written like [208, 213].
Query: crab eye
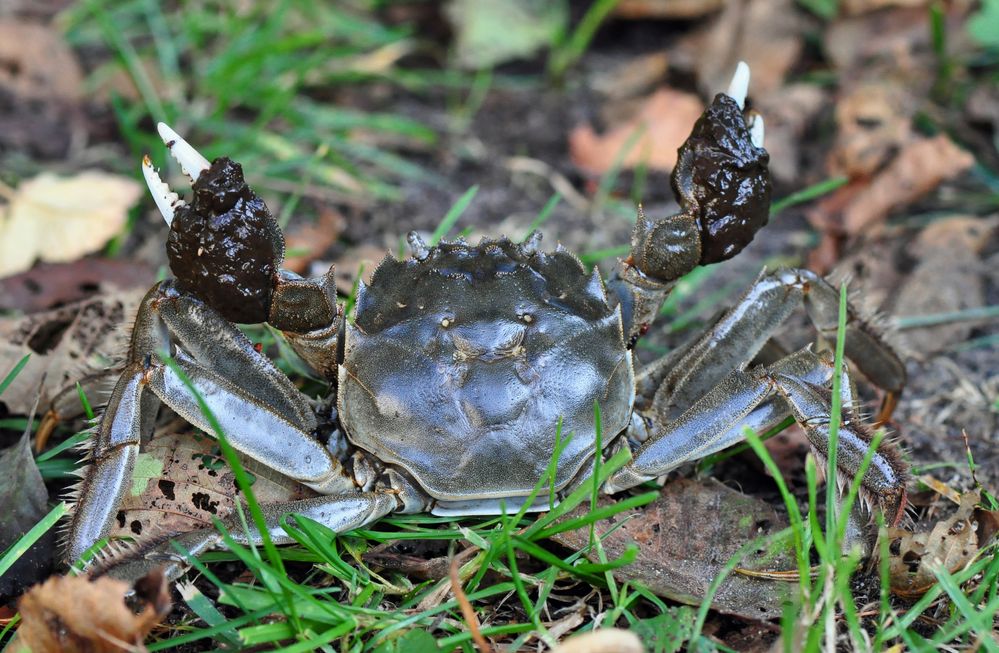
[526, 318]
[446, 322]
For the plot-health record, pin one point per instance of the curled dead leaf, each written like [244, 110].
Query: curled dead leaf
[951, 545]
[686, 536]
[67, 344]
[872, 123]
[36, 63]
[919, 168]
[69, 614]
[664, 119]
[181, 482]
[62, 218]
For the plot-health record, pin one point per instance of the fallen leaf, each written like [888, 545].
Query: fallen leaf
[308, 241]
[667, 632]
[63, 218]
[873, 123]
[348, 264]
[951, 544]
[685, 538]
[603, 640]
[70, 614]
[790, 112]
[853, 7]
[488, 33]
[25, 501]
[665, 119]
[919, 168]
[66, 344]
[947, 254]
[48, 286]
[36, 63]
[766, 34]
[633, 77]
[181, 482]
[685, 9]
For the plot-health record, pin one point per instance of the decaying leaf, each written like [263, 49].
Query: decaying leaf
[308, 241]
[919, 168]
[603, 640]
[664, 118]
[948, 255]
[872, 124]
[70, 614]
[36, 63]
[48, 286]
[66, 344]
[766, 34]
[685, 9]
[181, 482]
[25, 501]
[687, 536]
[951, 544]
[62, 218]
[488, 33]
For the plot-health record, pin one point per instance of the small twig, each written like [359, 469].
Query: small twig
[466, 609]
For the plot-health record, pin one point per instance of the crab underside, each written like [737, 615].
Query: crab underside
[463, 359]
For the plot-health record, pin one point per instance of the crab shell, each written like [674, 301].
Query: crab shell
[460, 365]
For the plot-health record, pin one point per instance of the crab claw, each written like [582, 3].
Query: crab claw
[166, 200]
[739, 86]
[191, 161]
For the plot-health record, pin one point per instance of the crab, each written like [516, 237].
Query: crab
[447, 387]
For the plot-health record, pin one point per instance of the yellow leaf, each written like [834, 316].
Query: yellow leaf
[62, 218]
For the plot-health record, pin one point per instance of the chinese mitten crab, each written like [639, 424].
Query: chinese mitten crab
[461, 359]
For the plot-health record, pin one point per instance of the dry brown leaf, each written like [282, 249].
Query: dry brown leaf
[947, 255]
[766, 34]
[66, 344]
[181, 482]
[685, 9]
[48, 286]
[951, 544]
[36, 63]
[604, 640]
[789, 112]
[633, 77]
[62, 218]
[69, 614]
[873, 123]
[919, 168]
[665, 119]
[684, 539]
[865, 6]
[306, 242]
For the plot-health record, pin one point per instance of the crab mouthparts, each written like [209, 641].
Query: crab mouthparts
[191, 162]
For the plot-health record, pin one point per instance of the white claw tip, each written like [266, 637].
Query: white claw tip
[756, 130]
[165, 199]
[190, 160]
[739, 86]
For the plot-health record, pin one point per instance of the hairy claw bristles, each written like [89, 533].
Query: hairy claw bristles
[165, 198]
[739, 86]
[191, 161]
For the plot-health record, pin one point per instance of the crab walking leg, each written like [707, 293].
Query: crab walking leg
[715, 420]
[744, 329]
[264, 417]
[339, 513]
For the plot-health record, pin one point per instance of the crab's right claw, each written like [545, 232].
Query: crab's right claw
[721, 176]
[224, 247]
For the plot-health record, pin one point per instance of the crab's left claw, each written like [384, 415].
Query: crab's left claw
[721, 176]
[224, 247]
